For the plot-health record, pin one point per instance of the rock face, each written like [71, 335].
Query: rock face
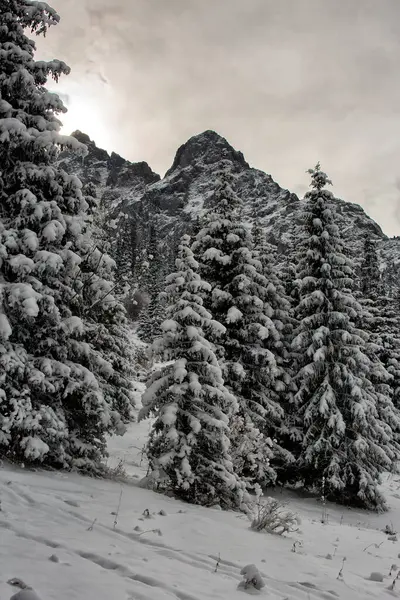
[116, 179]
[166, 208]
[209, 148]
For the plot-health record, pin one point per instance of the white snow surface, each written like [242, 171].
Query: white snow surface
[60, 535]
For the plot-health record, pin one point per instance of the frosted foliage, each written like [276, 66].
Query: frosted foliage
[252, 453]
[248, 301]
[151, 282]
[380, 318]
[347, 424]
[188, 449]
[63, 349]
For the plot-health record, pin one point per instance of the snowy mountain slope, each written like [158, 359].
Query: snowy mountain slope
[59, 533]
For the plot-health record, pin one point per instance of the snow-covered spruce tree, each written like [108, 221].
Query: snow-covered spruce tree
[151, 283]
[345, 423]
[63, 384]
[124, 254]
[371, 280]
[380, 318]
[276, 302]
[188, 448]
[278, 306]
[370, 291]
[240, 300]
[390, 278]
[114, 235]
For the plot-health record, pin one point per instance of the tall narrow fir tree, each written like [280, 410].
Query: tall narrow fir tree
[345, 423]
[188, 449]
[239, 299]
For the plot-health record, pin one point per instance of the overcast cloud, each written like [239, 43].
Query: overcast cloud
[287, 82]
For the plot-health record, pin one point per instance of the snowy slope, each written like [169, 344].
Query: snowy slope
[59, 534]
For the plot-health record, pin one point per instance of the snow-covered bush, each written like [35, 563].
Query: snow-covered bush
[271, 516]
[251, 453]
[252, 578]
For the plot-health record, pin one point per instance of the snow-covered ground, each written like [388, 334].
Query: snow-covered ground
[61, 535]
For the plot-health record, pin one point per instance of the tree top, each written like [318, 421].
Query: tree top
[319, 179]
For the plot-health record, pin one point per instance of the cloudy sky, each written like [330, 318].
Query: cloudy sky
[287, 82]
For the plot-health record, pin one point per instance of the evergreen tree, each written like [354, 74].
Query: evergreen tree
[188, 448]
[390, 278]
[63, 383]
[124, 254]
[371, 285]
[275, 299]
[151, 282]
[345, 422]
[240, 300]
[279, 308]
[380, 318]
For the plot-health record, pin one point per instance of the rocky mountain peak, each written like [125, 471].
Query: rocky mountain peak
[105, 170]
[207, 148]
[169, 207]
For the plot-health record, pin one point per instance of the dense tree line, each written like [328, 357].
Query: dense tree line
[308, 359]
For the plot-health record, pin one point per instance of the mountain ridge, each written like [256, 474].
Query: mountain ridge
[169, 206]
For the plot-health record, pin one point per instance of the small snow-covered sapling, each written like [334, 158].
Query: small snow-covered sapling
[26, 592]
[251, 578]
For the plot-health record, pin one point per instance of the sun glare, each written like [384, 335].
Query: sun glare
[85, 113]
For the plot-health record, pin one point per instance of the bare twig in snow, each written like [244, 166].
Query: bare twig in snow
[340, 574]
[218, 563]
[90, 528]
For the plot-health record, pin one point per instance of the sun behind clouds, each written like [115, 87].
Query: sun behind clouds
[85, 104]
